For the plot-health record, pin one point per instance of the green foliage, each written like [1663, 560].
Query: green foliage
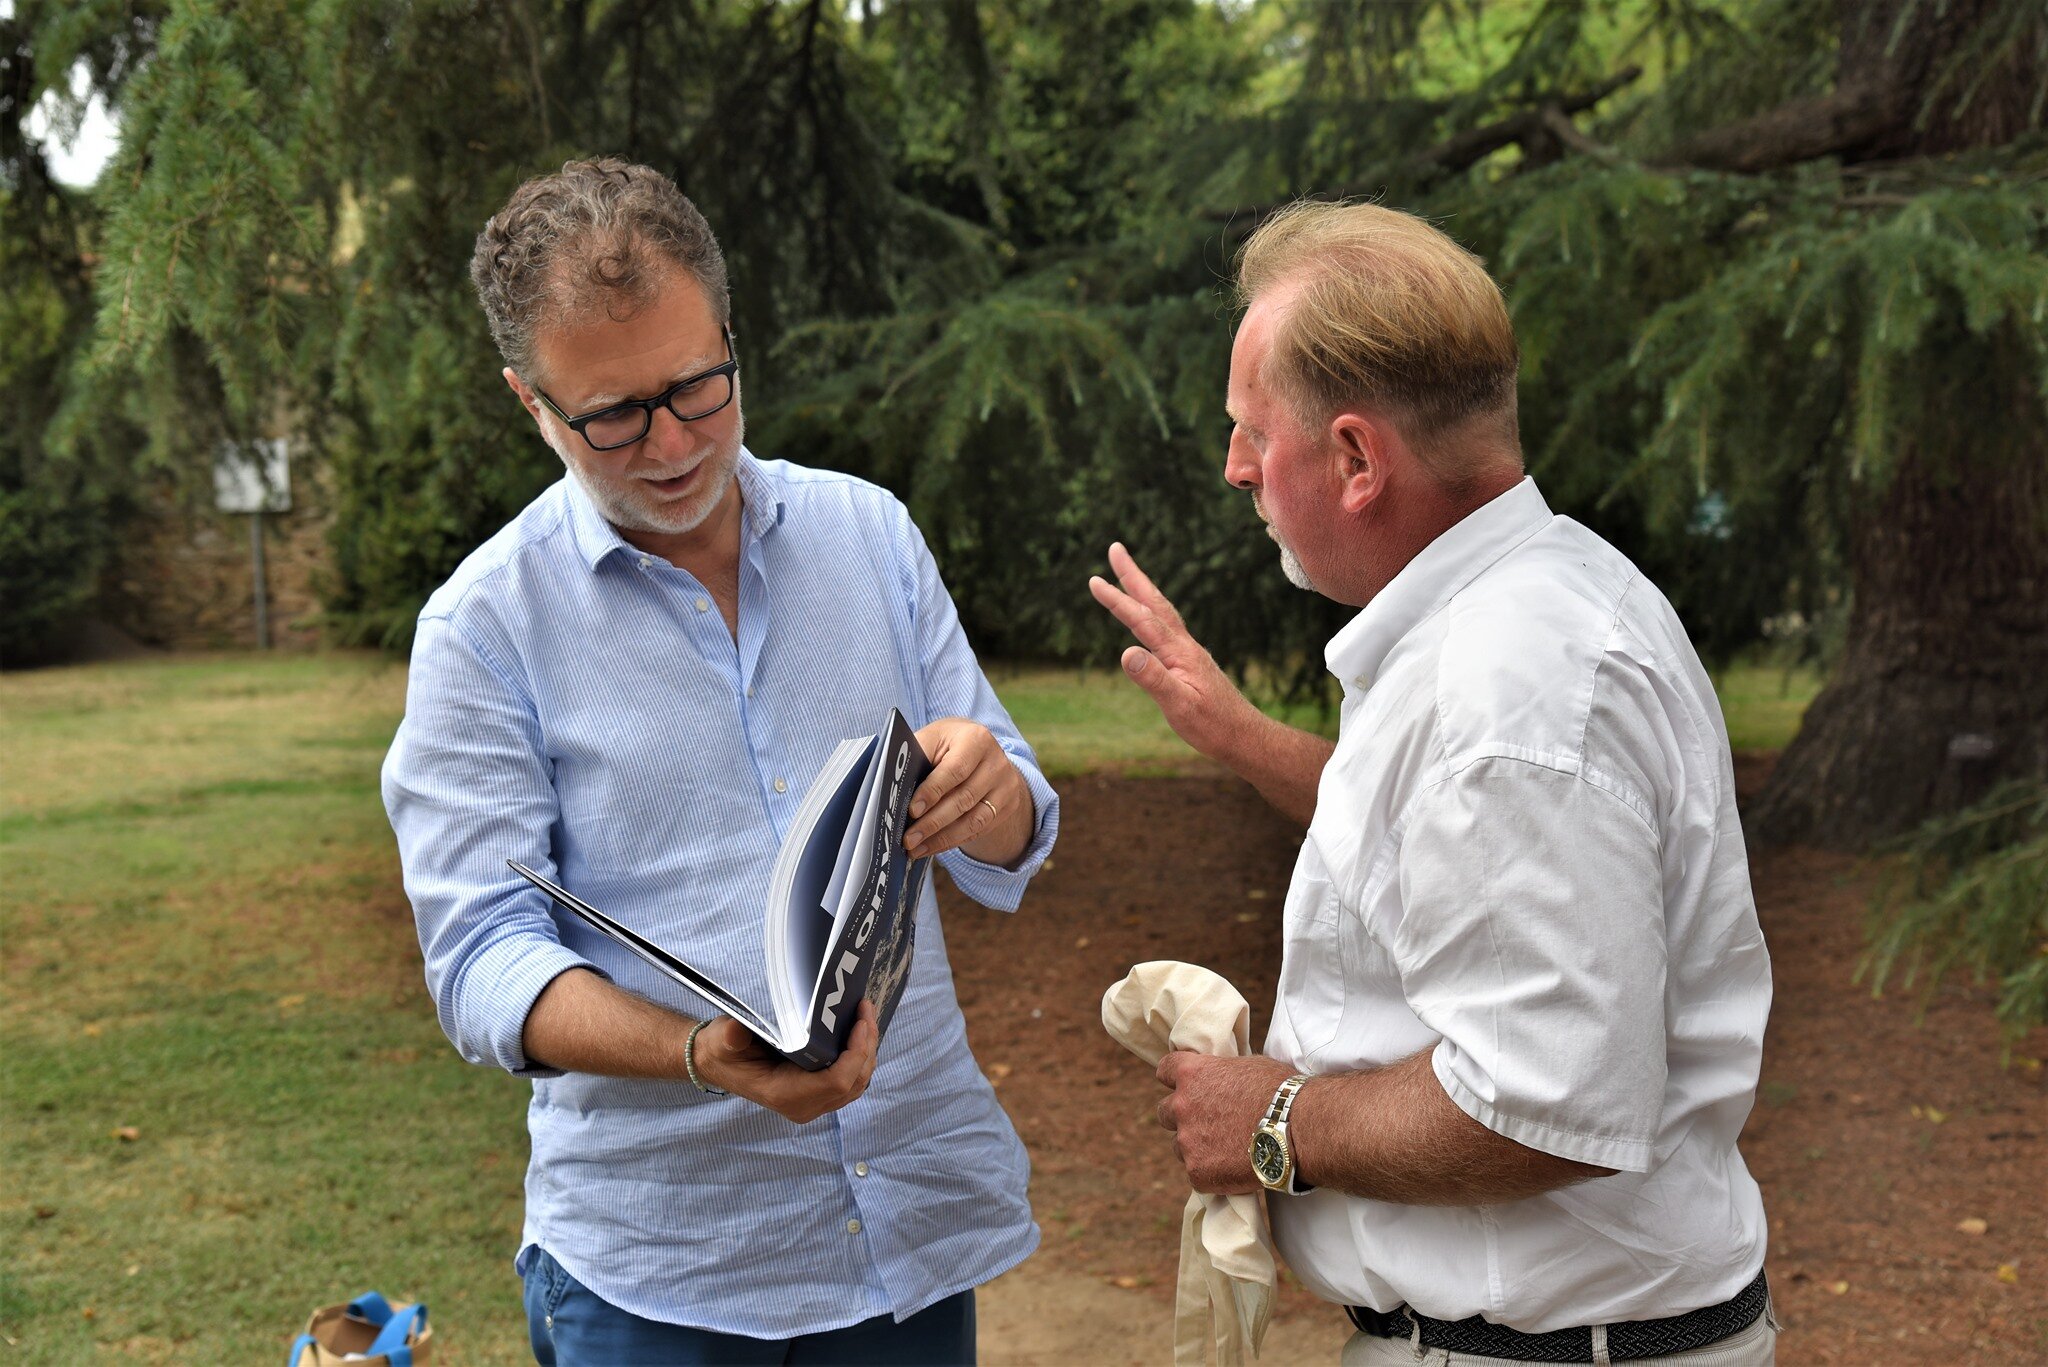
[980, 251]
[1970, 892]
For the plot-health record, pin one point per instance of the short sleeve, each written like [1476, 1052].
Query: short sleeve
[1532, 940]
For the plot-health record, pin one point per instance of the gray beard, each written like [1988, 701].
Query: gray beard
[1291, 566]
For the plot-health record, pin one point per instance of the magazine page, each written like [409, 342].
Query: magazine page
[653, 954]
[796, 925]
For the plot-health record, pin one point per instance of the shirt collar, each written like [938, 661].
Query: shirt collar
[762, 511]
[1446, 565]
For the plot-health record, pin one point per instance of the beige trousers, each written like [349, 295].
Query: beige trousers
[1755, 1346]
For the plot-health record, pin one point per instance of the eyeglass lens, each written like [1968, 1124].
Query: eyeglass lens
[629, 423]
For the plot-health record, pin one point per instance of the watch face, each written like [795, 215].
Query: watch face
[1269, 1159]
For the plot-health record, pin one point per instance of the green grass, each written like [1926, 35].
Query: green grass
[203, 937]
[1763, 703]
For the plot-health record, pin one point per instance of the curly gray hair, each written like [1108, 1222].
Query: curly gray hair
[592, 233]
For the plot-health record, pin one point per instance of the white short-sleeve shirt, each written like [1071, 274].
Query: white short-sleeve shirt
[1526, 858]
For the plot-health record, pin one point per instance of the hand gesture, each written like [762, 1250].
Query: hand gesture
[1201, 705]
[974, 798]
[731, 1056]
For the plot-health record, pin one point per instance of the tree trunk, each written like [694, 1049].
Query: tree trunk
[1942, 688]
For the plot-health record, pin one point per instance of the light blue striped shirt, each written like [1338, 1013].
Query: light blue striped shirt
[581, 707]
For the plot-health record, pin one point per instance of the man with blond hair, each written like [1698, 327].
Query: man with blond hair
[1522, 999]
[634, 684]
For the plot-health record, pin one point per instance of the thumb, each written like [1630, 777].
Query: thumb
[1137, 661]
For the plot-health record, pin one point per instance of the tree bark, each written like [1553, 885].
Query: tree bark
[1942, 688]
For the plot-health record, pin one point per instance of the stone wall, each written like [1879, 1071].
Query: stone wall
[183, 579]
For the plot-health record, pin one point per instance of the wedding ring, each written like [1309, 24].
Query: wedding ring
[991, 808]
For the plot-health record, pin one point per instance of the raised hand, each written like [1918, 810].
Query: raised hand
[1197, 699]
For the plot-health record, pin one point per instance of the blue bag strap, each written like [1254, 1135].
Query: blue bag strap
[371, 1308]
[299, 1346]
[391, 1339]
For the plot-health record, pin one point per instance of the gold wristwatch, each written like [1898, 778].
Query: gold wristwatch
[1272, 1154]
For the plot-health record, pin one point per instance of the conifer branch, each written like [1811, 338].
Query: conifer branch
[1461, 150]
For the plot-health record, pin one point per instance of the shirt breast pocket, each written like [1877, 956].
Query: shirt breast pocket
[1312, 961]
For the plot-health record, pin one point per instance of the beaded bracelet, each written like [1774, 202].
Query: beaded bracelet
[690, 1061]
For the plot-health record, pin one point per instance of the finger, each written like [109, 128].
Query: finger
[959, 819]
[1152, 628]
[1139, 584]
[857, 1059]
[1168, 1117]
[1167, 689]
[1171, 1066]
[955, 758]
[964, 813]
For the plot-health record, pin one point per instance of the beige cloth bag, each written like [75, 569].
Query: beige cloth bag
[1227, 1273]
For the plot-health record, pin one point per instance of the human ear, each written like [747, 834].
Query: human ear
[525, 396]
[1362, 448]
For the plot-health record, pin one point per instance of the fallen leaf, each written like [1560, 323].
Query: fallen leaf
[134, 1268]
[1256, 894]
[1245, 918]
[127, 1134]
[1046, 867]
[2009, 1273]
[1973, 1225]
[1127, 1283]
[95, 1029]
[1936, 1116]
[88, 1312]
[1839, 1288]
[1081, 943]
[998, 1071]
[46, 1212]
[291, 1002]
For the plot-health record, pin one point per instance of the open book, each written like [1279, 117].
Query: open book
[842, 904]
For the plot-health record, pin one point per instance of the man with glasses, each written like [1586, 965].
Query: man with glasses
[633, 684]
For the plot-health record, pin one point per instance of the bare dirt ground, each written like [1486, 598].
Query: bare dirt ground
[1876, 1134]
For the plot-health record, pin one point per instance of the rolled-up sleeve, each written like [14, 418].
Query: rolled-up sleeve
[956, 687]
[1532, 940]
[467, 787]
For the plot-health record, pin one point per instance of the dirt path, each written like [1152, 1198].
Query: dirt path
[1864, 1195]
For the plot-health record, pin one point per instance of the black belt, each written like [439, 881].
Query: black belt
[1626, 1339]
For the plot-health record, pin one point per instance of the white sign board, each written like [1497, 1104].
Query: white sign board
[253, 476]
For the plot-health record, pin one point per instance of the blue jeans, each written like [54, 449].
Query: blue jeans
[571, 1326]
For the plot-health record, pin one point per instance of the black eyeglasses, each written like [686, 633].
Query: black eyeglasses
[623, 423]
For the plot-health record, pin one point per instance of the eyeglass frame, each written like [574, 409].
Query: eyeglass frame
[731, 370]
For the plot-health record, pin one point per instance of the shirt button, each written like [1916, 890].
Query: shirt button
[860, 1170]
[645, 561]
[703, 605]
[781, 786]
[853, 1226]
[750, 690]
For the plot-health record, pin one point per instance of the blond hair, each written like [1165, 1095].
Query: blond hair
[1386, 313]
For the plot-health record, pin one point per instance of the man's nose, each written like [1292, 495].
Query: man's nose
[1241, 466]
[668, 436]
